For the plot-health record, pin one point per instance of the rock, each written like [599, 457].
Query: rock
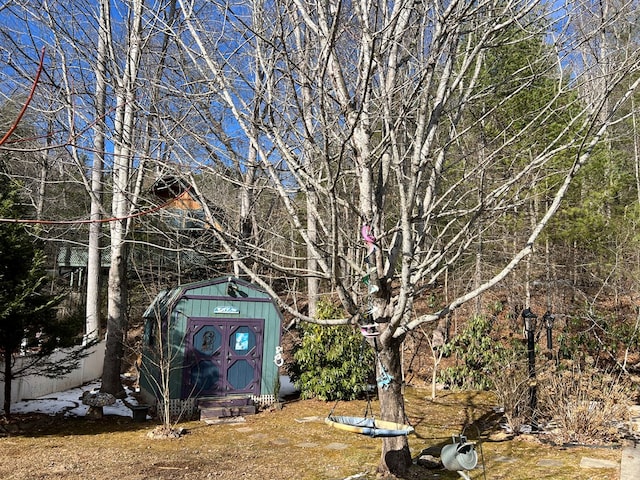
[586, 462]
[97, 399]
[162, 431]
[429, 461]
[95, 413]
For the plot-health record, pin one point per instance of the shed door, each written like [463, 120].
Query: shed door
[223, 357]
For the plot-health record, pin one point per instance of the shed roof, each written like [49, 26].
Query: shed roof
[161, 304]
[166, 299]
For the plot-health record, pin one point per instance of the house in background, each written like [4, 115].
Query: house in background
[72, 264]
[176, 241]
[221, 336]
[177, 224]
[183, 209]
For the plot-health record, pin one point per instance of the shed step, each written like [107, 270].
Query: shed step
[212, 402]
[224, 412]
[212, 408]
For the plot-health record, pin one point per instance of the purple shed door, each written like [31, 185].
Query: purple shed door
[223, 357]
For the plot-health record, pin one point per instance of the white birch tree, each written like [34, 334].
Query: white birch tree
[94, 255]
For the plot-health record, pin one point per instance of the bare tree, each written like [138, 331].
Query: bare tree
[95, 107]
[123, 201]
[369, 109]
[375, 145]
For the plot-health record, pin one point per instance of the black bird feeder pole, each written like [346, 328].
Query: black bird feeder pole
[529, 319]
[548, 321]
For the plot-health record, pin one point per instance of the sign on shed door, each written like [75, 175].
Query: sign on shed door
[223, 357]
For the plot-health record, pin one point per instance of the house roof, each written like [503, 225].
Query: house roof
[168, 187]
[181, 196]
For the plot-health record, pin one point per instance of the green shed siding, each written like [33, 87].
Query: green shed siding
[176, 343]
[270, 371]
[211, 300]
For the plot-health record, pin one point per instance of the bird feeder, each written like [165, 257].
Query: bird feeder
[96, 401]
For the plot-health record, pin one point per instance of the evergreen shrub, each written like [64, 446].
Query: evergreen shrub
[331, 362]
[477, 353]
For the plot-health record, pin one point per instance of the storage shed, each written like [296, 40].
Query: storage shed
[219, 338]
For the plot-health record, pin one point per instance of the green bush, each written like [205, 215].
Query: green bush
[477, 353]
[331, 362]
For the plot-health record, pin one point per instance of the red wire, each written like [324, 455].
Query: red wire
[100, 220]
[26, 104]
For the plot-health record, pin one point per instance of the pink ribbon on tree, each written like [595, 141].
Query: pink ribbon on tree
[368, 237]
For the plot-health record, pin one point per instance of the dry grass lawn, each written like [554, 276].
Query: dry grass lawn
[292, 443]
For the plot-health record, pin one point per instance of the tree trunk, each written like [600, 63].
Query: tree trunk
[313, 283]
[92, 308]
[246, 200]
[7, 383]
[116, 321]
[396, 457]
[92, 328]
[121, 203]
[636, 147]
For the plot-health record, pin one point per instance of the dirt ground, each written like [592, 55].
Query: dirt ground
[291, 443]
